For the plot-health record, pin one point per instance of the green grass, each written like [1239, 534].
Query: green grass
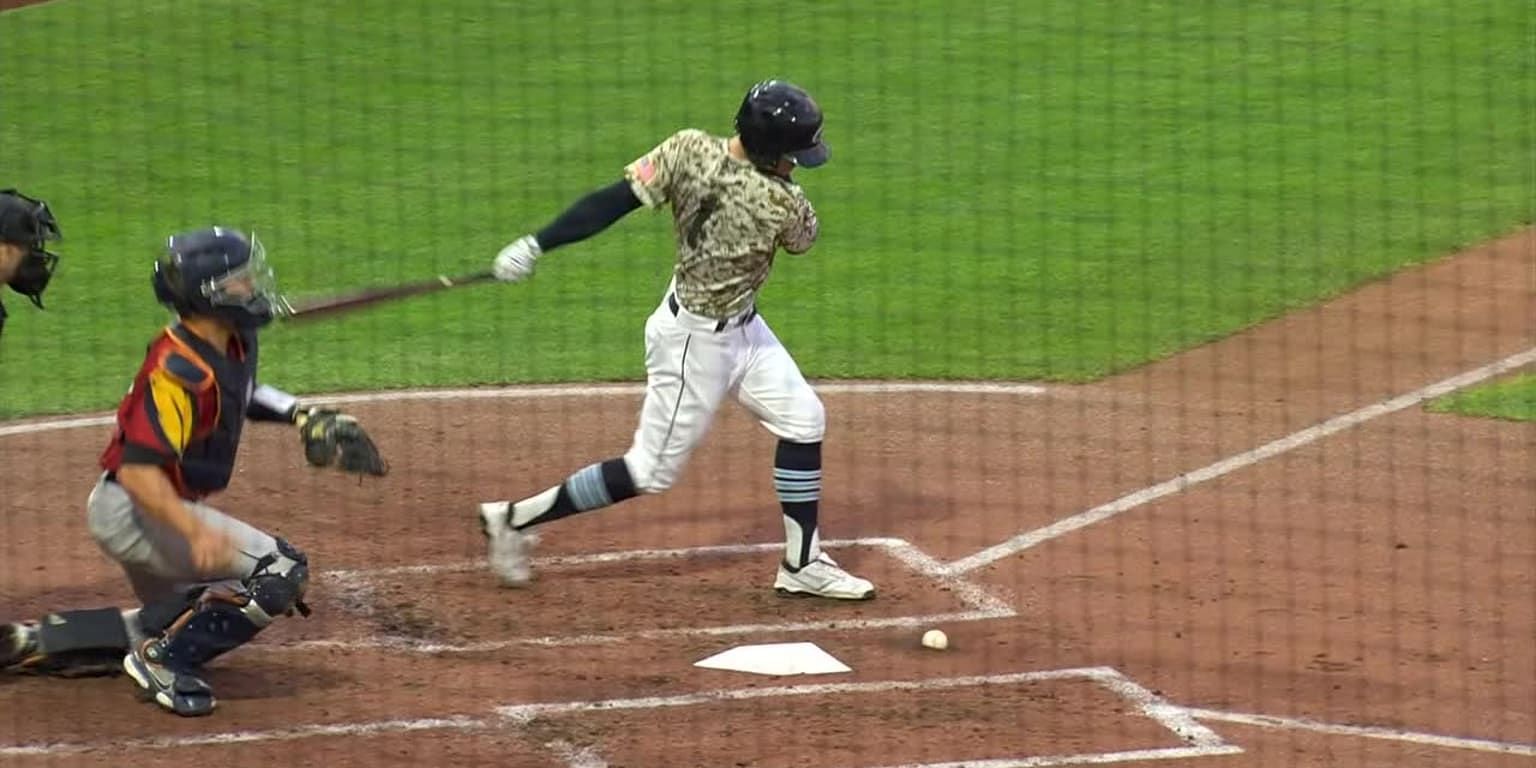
[1513, 399]
[1028, 190]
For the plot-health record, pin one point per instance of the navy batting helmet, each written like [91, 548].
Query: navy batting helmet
[779, 120]
[220, 272]
[27, 222]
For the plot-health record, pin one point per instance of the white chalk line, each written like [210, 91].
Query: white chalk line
[1230, 464]
[1155, 707]
[1365, 731]
[523, 713]
[972, 594]
[1204, 742]
[599, 558]
[532, 392]
[576, 757]
[1102, 758]
[27, 428]
[980, 604]
[1180, 720]
[247, 737]
[414, 645]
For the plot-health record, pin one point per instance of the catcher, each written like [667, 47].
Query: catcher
[207, 582]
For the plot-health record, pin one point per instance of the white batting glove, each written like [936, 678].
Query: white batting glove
[516, 261]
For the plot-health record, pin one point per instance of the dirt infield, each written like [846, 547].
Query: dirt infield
[1334, 556]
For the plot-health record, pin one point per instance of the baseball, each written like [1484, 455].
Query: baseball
[935, 639]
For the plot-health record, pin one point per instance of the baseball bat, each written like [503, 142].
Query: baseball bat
[367, 297]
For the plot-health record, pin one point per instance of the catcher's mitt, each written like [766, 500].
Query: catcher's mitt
[333, 438]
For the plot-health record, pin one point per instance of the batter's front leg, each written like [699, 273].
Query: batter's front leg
[774, 390]
[687, 378]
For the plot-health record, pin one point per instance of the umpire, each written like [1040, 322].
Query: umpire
[26, 264]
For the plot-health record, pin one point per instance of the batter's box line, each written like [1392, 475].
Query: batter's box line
[1199, 741]
[358, 586]
[1183, 721]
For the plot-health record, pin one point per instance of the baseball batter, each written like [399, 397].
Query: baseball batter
[208, 582]
[734, 204]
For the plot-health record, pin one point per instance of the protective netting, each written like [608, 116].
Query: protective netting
[1177, 361]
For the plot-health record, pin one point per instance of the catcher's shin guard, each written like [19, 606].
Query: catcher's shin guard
[219, 620]
[66, 643]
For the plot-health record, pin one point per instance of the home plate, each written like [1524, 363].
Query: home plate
[776, 659]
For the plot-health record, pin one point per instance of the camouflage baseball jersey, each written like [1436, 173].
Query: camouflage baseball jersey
[730, 219]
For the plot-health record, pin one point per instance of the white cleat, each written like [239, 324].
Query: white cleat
[509, 550]
[822, 577]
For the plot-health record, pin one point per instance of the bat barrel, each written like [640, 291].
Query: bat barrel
[358, 299]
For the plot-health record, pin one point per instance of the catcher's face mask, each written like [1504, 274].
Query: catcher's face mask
[251, 287]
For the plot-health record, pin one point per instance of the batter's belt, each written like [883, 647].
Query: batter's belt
[720, 325]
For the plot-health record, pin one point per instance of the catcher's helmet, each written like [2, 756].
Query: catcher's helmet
[27, 222]
[220, 272]
[780, 120]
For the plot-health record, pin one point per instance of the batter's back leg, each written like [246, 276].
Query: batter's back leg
[688, 377]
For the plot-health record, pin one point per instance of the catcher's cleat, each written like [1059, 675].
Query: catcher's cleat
[509, 550]
[822, 577]
[179, 692]
[18, 644]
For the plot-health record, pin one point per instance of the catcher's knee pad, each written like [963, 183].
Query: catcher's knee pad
[219, 620]
[279, 581]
